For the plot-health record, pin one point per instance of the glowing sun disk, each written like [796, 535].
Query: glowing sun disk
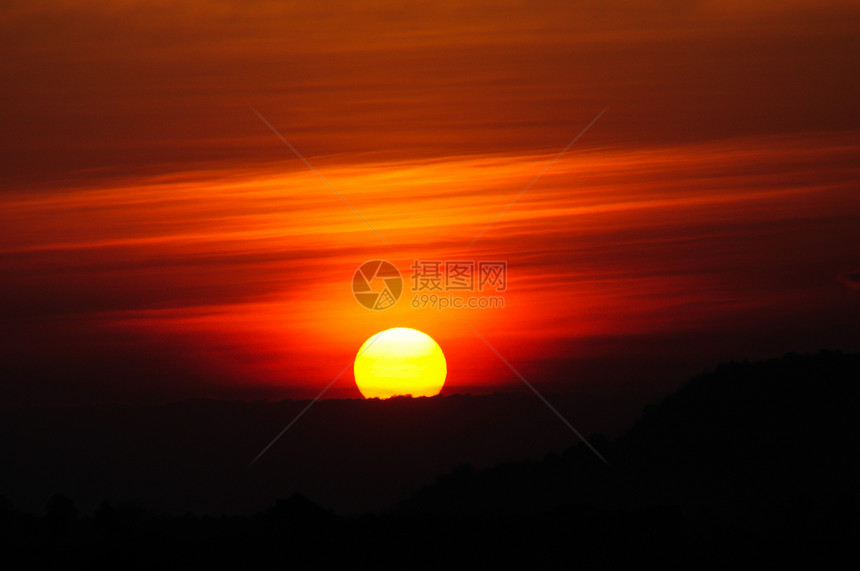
[400, 361]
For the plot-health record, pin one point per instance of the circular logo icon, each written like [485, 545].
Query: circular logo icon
[377, 284]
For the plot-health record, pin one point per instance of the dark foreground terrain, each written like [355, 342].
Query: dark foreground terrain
[752, 465]
[348, 455]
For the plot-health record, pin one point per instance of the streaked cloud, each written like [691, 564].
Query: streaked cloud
[158, 240]
[250, 274]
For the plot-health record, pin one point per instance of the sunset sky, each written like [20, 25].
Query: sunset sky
[159, 241]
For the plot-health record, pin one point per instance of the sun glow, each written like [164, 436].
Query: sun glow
[400, 361]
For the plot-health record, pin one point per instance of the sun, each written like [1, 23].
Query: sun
[400, 361]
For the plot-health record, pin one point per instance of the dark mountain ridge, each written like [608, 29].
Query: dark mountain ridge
[750, 438]
[753, 464]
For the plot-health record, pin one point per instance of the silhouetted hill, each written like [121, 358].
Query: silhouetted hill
[754, 441]
[754, 435]
[752, 465]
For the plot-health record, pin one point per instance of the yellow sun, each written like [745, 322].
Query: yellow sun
[400, 361]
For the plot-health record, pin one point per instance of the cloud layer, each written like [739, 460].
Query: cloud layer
[159, 241]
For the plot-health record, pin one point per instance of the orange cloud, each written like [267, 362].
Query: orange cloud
[249, 273]
[152, 223]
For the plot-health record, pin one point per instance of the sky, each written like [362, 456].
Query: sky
[160, 241]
